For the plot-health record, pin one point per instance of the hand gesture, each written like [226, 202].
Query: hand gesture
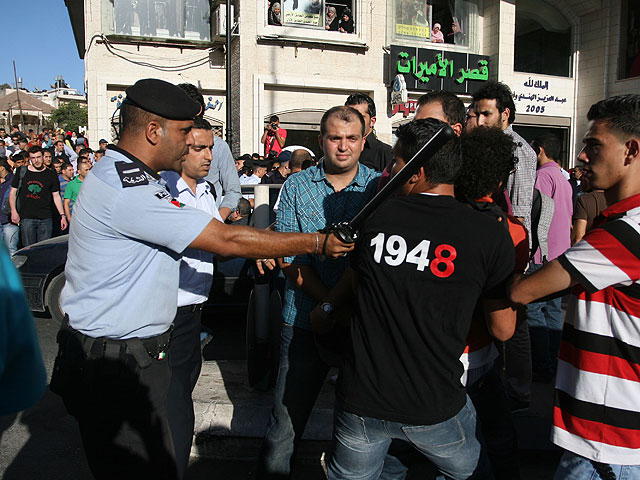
[261, 263]
[334, 247]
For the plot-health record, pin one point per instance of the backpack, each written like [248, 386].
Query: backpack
[6, 208]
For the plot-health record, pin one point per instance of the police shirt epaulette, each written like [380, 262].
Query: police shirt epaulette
[131, 175]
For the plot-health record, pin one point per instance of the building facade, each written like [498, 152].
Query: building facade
[558, 57]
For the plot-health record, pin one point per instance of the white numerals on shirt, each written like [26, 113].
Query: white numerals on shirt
[396, 247]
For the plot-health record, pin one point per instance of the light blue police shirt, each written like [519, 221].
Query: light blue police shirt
[125, 243]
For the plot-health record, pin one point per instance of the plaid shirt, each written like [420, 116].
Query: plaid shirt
[520, 183]
[309, 203]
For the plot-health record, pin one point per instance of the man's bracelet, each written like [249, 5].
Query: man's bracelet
[317, 243]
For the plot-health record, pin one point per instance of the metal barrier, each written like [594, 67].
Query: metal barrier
[264, 311]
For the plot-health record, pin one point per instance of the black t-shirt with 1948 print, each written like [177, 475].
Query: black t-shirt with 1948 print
[35, 193]
[422, 263]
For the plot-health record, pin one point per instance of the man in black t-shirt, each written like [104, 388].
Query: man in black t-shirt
[421, 263]
[33, 191]
[376, 154]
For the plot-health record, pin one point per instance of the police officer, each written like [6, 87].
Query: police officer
[120, 296]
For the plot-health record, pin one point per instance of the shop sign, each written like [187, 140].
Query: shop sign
[427, 69]
[538, 97]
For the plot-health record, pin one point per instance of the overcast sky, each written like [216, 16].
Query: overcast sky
[38, 36]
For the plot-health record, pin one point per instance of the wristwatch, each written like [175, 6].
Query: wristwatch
[327, 308]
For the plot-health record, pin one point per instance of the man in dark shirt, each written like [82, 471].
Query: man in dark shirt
[279, 175]
[376, 154]
[38, 188]
[59, 151]
[401, 378]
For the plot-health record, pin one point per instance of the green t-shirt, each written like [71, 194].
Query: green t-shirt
[72, 191]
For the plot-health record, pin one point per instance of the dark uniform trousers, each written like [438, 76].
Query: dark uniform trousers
[185, 359]
[117, 391]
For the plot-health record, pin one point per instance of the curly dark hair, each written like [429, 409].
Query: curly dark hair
[487, 159]
[499, 92]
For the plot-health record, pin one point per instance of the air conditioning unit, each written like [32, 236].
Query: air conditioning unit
[219, 20]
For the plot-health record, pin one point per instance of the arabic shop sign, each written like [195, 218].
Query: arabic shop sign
[406, 108]
[539, 97]
[427, 69]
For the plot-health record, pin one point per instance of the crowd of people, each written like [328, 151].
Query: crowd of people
[35, 171]
[440, 317]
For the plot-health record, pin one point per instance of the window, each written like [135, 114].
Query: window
[630, 39]
[543, 39]
[331, 15]
[436, 21]
[177, 19]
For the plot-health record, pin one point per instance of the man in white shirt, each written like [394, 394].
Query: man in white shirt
[196, 275]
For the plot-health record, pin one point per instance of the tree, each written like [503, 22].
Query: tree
[4, 86]
[69, 116]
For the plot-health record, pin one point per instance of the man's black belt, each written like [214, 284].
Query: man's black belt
[196, 307]
[142, 349]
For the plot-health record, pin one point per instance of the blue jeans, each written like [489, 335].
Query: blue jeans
[300, 378]
[545, 331]
[575, 467]
[11, 235]
[33, 230]
[454, 446]
[492, 408]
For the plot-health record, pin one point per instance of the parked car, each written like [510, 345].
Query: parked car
[41, 267]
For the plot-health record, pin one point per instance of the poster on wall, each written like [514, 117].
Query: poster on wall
[302, 12]
[412, 18]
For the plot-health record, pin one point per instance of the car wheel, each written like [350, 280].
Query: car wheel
[52, 297]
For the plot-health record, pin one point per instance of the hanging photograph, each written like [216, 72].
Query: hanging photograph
[412, 18]
[302, 12]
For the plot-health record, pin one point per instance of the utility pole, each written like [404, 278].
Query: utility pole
[15, 76]
[228, 72]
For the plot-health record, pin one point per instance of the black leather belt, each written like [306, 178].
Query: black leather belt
[142, 349]
[196, 307]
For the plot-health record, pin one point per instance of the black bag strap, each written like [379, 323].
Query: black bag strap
[21, 174]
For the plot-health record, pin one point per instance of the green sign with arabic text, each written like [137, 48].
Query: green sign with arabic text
[427, 69]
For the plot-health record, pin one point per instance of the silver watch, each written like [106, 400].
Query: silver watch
[327, 308]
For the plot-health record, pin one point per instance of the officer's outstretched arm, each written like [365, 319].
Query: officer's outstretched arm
[240, 241]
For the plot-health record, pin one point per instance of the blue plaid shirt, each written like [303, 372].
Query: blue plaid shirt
[309, 203]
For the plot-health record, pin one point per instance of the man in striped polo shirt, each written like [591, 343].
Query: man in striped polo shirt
[596, 416]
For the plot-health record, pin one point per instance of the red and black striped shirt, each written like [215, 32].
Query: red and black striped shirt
[597, 405]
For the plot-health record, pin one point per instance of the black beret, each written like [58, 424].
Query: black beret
[163, 99]
[260, 163]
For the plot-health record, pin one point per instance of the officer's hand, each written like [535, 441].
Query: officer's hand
[63, 223]
[15, 218]
[261, 263]
[321, 321]
[334, 247]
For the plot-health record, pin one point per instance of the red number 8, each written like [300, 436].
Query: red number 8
[447, 261]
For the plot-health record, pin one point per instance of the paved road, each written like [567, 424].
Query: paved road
[43, 442]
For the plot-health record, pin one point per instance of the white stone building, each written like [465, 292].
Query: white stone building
[558, 56]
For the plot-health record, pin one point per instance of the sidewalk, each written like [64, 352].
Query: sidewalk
[231, 417]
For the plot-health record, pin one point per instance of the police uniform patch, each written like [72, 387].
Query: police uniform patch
[177, 203]
[131, 175]
[162, 194]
